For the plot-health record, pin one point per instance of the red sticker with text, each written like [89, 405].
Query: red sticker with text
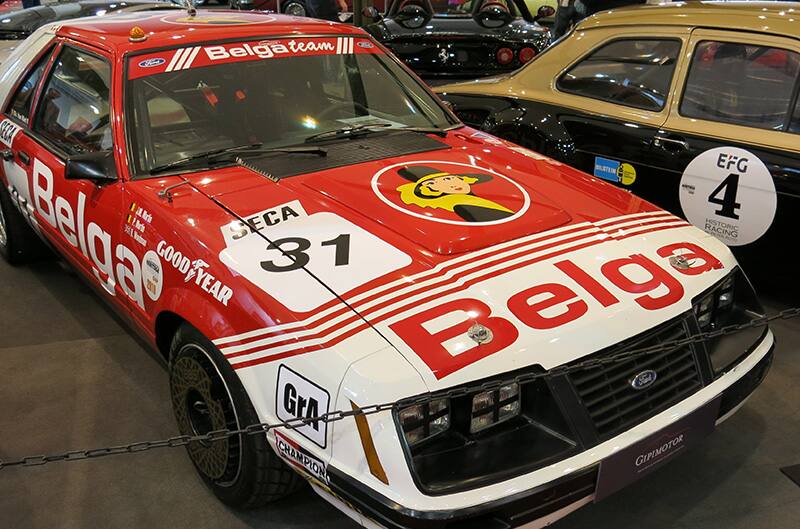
[199, 56]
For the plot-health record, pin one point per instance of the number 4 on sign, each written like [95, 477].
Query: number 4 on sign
[299, 255]
[728, 200]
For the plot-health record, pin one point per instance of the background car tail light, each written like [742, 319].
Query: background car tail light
[424, 421]
[526, 54]
[493, 407]
[505, 56]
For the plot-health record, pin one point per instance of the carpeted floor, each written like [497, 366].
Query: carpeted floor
[74, 377]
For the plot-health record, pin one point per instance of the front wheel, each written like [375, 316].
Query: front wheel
[242, 470]
[18, 242]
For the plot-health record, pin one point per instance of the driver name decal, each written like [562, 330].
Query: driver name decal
[200, 56]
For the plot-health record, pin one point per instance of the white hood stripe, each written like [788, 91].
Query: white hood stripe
[476, 259]
[414, 292]
[334, 333]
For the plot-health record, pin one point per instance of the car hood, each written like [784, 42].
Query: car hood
[531, 230]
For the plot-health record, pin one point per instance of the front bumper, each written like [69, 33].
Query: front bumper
[577, 484]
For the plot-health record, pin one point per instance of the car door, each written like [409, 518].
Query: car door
[15, 131]
[735, 117]
[72, 117]
[614, 99]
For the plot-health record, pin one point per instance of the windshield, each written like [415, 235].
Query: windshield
[275, 93]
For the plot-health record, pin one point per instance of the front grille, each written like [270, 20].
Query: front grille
[613, 405]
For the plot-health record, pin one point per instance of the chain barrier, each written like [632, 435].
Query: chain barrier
[334, 416]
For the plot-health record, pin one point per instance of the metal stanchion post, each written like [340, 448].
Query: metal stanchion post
[358, 19]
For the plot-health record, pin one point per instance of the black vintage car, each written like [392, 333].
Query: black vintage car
[458, 38]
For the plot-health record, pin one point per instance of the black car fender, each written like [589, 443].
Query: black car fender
[532, 125]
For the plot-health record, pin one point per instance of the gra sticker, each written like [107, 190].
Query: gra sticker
[450, 192]
[729, 193]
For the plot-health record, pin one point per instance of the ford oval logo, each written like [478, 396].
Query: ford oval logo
[365, 44]
[149, 63]
[644, 380]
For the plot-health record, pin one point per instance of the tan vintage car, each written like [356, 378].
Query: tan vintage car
[693, 106]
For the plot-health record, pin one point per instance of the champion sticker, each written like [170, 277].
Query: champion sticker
[729, 193]
[301, 458]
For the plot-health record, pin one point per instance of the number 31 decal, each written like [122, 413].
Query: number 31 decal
[299, 256]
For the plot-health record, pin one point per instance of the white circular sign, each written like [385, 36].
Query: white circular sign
[729, 193]
[152, 275]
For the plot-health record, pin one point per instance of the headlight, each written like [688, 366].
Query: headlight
[711, 309]
[424, 421]
[732, 301]
[485, 436]
[493, 407]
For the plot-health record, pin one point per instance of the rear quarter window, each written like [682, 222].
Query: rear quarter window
[631, 72]
[741, 84]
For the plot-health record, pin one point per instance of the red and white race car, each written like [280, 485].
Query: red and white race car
[300, 227]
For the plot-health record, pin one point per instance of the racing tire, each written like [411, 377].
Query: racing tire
[243, 471]
[19, 244]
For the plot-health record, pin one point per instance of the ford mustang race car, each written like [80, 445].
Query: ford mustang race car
[430, 318]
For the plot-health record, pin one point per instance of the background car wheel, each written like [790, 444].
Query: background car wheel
[18, 242]
[242, 471]
[297, 9]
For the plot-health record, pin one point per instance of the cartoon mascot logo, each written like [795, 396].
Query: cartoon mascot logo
[451, 192]
[433, 188]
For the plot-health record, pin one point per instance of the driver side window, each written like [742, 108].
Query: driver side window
[73, 111]
[631, 72]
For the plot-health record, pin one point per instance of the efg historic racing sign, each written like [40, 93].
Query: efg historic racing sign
[729, 193]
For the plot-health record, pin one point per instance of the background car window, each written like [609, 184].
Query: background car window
[631, 72]
[73, 111]
[794, 126]
[740, 84]
[20, 106]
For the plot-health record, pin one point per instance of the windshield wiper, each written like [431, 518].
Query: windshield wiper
[346, 132]
[428, 130]
[245, 150]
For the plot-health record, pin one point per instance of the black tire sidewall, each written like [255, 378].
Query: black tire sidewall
[239, 492]
[18, 233]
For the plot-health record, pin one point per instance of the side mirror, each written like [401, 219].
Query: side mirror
[99, 167]
[544, 12]
[371, 13]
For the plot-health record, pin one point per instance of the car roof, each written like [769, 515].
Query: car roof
[171, 28]
[779, 18]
